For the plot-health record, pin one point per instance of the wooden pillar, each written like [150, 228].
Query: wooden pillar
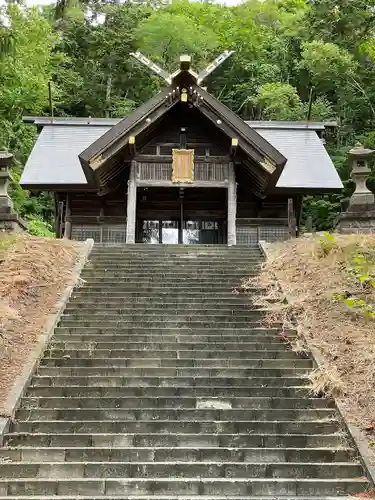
[68, 222]
[132, 204]
[291, 219]
[57, 215]
[232, 205]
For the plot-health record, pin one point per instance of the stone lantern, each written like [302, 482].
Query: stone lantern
[360, 216]
[360, 173]
[6, 160]
[9, 220]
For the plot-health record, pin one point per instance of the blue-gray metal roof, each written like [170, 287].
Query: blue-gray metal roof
[309, 165]
[54, 158]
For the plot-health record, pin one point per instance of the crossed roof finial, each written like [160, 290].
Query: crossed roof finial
[185, 61]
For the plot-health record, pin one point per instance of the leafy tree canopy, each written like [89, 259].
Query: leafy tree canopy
[293, 59]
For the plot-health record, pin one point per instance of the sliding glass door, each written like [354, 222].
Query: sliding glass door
[176, 232]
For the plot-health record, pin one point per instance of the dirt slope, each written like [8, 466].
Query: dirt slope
[330, 285]
[33, 273]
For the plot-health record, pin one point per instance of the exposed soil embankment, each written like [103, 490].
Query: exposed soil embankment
[329, 282]
[33, 274]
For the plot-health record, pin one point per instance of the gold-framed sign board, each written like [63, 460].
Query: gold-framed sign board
[183, 165]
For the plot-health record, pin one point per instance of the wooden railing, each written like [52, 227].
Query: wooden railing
[204, 172]
[251, 231]
[109, 230]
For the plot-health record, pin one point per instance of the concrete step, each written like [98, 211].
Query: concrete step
[169, 274]
[175, 402]
[170, 454]
[161, 262]
[166, 308]
[179, 469]
[149, 335]
[196, 322]
[172, 414]
[163, 303]
[227, 299]
[167, 392]
[163, 257]
[104, 371]
[74, 355]
[182, 257]
[144, 340]
[162, 315]
[204, 273]
[183, 486]
[141, 248]
[193, 286]
[179, 261]
[148, 362]
[175, 256]
[91, 343]
[163, 320]
[178, 333]
[208, 267]
[63, 425]
[183, 286]
[97, 289]
[172, 279]
[179, 381]
[190, 441]
[91, 293]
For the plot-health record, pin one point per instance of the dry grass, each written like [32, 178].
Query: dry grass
[325, 380]
[33, 273]
[310, 275]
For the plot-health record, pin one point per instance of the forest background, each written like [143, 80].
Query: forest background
[290, 55]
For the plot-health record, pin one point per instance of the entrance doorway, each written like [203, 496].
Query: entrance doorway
[189, 216]
[174, 232]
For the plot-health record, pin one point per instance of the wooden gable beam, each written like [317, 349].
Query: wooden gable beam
[130, 139]
[266, 163]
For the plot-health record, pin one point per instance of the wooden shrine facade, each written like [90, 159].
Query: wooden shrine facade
[182, 168]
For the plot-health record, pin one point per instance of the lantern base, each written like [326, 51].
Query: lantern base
[360, 218]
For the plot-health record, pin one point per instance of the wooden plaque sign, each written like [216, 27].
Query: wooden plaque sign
[183, 165]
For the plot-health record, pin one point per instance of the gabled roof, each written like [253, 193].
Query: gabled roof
[309, 166]
[54, 157]
[257, 152]
[54, 161]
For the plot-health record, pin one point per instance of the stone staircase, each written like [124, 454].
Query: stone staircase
[161, 384]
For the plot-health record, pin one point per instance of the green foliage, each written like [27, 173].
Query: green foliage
[279, 101]
[322, 211]
[39, 227]
[183, 36]
[362, 269]
[356, 305]
[327, 243]
[284, 49]
[6, 240]
[26, 69]
[328, 64]
[26, 66]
